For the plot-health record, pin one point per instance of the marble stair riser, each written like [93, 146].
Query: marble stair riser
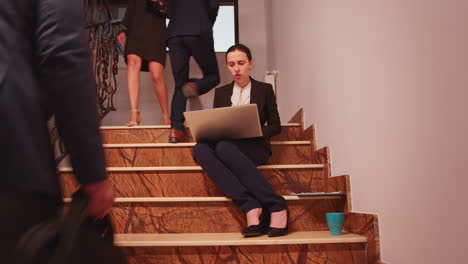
[271, 254]
[197, 183]
[161, 135]
[212, 217]
[182, 156]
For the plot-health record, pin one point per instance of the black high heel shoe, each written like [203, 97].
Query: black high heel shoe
[260, 229]
[276, 232]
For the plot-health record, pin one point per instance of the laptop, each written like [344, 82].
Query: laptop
[234, 122]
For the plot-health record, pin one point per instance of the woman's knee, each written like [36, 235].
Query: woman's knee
[156, 71]
[224, 148]
[200, 150]
[156, 77]
[133, 62]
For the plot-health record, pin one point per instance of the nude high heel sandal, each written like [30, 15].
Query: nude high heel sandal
[133, 122]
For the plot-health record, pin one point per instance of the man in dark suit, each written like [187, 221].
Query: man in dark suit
[190, 33]
[45, 69]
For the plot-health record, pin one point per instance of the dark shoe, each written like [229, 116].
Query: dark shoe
[195, 103]
[260, 229]
[177, 136]
[190, 89]
[276, 232]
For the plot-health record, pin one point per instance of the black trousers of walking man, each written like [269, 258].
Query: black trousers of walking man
[181, 48]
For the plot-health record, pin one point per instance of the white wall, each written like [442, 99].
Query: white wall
[386, 84]
[252, 32]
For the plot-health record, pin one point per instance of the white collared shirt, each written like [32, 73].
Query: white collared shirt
[241, 96]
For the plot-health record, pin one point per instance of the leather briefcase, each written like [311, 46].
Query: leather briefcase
[70, 239]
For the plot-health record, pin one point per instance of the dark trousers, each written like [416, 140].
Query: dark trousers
[181, 48]
[18, 214]
[232, 165]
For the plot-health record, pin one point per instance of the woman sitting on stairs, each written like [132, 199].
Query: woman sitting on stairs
[232, 163]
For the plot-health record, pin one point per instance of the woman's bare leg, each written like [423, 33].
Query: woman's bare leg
[133, 84]
[253, 216]
[159, 83]
[279, 219]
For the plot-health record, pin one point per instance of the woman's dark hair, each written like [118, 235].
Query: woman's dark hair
[240, 47]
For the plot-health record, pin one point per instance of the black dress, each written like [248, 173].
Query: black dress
[145, 34]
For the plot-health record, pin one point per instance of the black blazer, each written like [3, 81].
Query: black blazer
[45, 68]
[191, 17]
[261, 94]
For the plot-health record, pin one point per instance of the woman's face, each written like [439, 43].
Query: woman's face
[239, 66]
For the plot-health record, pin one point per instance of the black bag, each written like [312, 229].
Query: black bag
[158, 8]
[70, 239]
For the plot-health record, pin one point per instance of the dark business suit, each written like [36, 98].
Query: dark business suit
[45, 69]
[232, 163]
[190, 33]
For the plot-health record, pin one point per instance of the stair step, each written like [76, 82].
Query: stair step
[191, 144]
[154, 134]
[191, 181]
[168, 126]
[166, 154]
[198, 168]
[232, 239]
[211, 199]
[211, 214]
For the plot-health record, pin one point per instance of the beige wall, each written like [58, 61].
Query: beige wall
[252, 31]
[386, 84]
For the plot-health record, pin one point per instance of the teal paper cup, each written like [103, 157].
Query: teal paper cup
[335, 223]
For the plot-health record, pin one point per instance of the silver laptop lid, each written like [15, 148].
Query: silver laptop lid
[233, 122]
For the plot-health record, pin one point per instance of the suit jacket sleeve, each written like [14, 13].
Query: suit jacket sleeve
[217, 99]
[273, 126]
[65, 75]
[213, 6]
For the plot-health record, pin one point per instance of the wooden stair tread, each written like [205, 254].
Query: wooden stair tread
[211, 199]
[232, 239]
[167, 126]
[198, 168]
[190, 144]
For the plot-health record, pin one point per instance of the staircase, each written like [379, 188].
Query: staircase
[168, 211]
